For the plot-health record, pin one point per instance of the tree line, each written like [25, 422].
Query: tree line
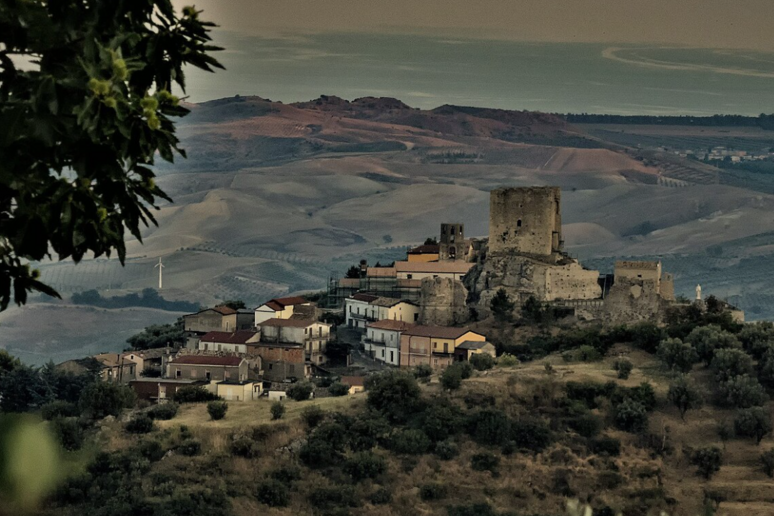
[763, 121]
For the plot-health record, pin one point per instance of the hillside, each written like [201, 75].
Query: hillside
[275, 198]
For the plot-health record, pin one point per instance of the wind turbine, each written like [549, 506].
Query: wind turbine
[160, 266]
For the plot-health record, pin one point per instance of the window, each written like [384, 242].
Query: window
[518, 223]
[416, 317]
[207, 375]
[409, 276]
[225, 375]
[218, 347]
[292, 369]
[392, 356]
[178, 373]
[270, 367]
[382, 353]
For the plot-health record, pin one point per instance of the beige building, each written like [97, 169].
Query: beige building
[153, 361]
[220, 318]
[433, 345]
[232, 342]
[648, 275]
[281, 308]
[312, 335]
[208, 368]
[232, 390]
[467, 349]
[419, 270]
[116, 367]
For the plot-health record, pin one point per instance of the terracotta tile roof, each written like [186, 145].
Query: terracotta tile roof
[208, 360]
[224, 310]
[388, 324]
[349, 282]
[381, 272]
[456, 267]
[439, 332]
[279, 303]
[146, 354]
[368, 298]
[426, 249]
[388, 301]
[353, 381]
[291, 323]
[274, 306]
[229, 337]
[112, 359]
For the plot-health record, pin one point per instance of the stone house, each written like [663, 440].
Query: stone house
[282, 308]
[233, 342]
[467, 349]
[418, 270]
[312, 335]
[161, 389]
[424, 253]
[281, 361]
[208, 368]
[220, 318]
[433, 345]
[382, 340]
[154, 361]
[116, 368]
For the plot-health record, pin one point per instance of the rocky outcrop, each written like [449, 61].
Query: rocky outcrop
[443, 302]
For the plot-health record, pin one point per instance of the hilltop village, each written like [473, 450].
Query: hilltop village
[413, 312]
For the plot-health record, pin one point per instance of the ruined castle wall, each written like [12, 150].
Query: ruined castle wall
[443, 302]
[667, 288]
[525, 220]
[571, 282]
[631, 300]
[633, 270]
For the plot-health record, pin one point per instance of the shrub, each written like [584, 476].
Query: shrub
[338, 389]
[273, 493]
[58, 409]
[753, 422]
[189, 447]
[587, 425]
[410, 442]
[68, 432]
[466, 369]
[766, 367]
[677, 355]
[588, 354]
[757, 338]
[482, 361]
[605, 446]
[728, 363]
[312, 416]
[432, 491]
[194, 394]
[217, 409]
[741, 392]
[300, 391]
[683, 395]
[441, 419]
[630, 416]
[446, 450]
[423, 371]
[531, 434]
[381, 496]
[151, 450]
[277, 410]
[451, 378]
[140, 424]
[334, 496]
[646, 336]
[490, 427]
[164, 411]
[507, 360]
[476, 509]
[587, 392]
[623, 367]
[707, 339]
[286, 474]
[364, 465]
[394, 393]
[101, 399]
[485, 462]
[767, 459]
[243, 447]
[707, 460]
[643, 394]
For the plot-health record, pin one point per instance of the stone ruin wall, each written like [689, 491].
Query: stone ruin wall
[443, 302]
[525, 220]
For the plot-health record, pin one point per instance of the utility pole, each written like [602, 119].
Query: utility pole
[160, 266]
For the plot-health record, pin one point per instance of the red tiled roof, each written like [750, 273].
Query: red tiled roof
[224, 310]
[353, 381]
[388, 324]
[274, 306]
[289, 301]
[291, 323]
[208, 360]
[364, 297]
[440, 332]
[426, 249]
[380, 272]
[229, 337]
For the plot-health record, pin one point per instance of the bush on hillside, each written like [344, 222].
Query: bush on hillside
[151, 450]
[588, 354]
[394, 393]
[741, 392]
[753, 422]
[630, 416]
[381, 496]
[646, 336]
[273, 493]
[605, 446]
[766, 367]
[194, 394]
[432, 491]
[57, 409]
[102, 399]
[490, 427]
[286, 474]
[164, 411]
[451, 378]
[277, 410]
[728, 363]
[530, 433]
[422, 371]
[441, 419]
[409, 442]
[335, 496]
[587, 425]
[363, 465]
[677, 355]
[140, 424]
[312, 416]
[68, 432]
[507, 360]
[757, 338]
[708, 339]
[338, 389]
[189, 447]
[482, 361]
[707, 460]
[446, 450]
[684, 395]
[300, 391]
[485, 462]
[243, 447]
[217, 409]
[767, 459]
[623, 367]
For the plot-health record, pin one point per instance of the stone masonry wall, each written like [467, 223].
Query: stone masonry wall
[443, 302]
[525, 220]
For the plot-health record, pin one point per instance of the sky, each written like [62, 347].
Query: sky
[733, 24]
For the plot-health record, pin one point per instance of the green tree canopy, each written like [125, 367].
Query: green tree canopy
[85, 105]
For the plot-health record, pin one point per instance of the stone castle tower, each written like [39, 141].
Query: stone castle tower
[526, 221]
[452, 243]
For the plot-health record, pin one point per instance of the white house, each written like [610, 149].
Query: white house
[382, 340]
[421, 270]
[394, 309]
[313, 335]
[234, 342]
[279, 308]
[358, 310]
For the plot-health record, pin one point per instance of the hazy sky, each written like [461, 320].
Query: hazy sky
[702, 23]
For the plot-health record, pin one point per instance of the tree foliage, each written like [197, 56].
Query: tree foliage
[728, 363]
[159, 336]
[742, 392]
[677, 355]
[81, 123]
[394, 393]
[502, 306]
[707, 339]
[707, 460]
[753, 422]
[684, 395]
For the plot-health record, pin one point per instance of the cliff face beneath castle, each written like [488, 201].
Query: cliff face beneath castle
[443, 302]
